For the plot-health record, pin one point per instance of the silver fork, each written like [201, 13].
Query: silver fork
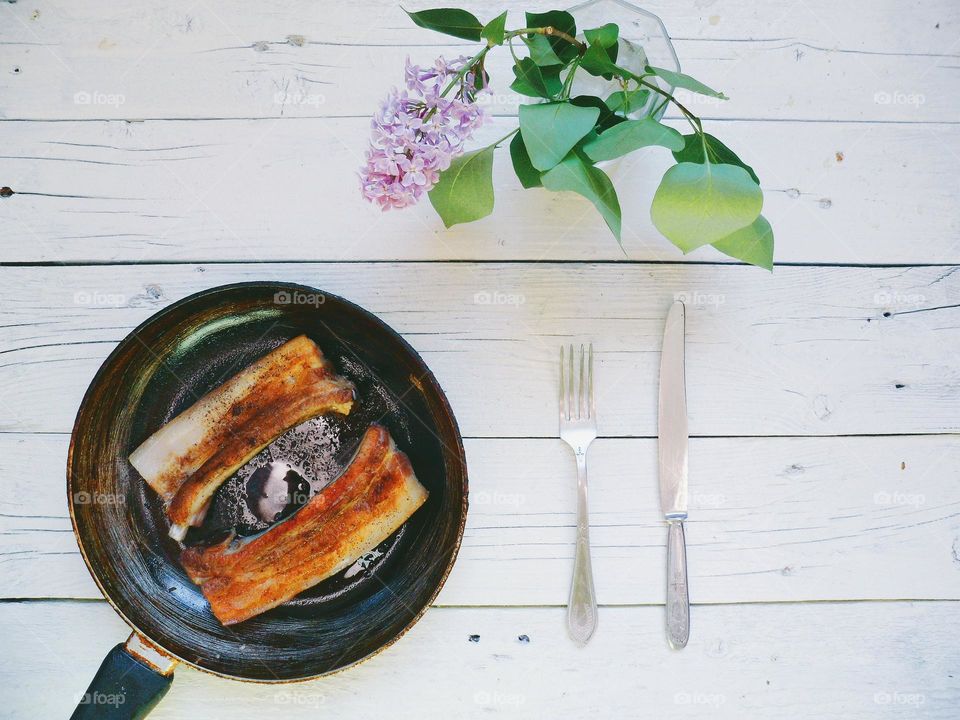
[578, 428]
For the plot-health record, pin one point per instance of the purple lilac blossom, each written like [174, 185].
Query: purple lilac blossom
[416, 133]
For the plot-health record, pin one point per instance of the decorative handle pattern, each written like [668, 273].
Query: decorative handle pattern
[678, 599]
[582, 607]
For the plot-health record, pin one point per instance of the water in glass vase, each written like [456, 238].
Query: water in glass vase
[643, 40]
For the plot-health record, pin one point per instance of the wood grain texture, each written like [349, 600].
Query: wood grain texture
[813, 61]
[782, 519]
[279, 190]
[879, 26]
[218, 132]
[860, 661]
[802, 351]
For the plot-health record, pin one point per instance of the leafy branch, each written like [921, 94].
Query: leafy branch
[709, 197]
[548, 31]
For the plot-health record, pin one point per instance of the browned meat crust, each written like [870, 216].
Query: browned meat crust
[373, 497]
[187, 459]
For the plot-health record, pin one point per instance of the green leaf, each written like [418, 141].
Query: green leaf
[534, 81]
[464, 192]
[699, 204]
[559, 20]
[551, 130]
[576, 175]
[607, 119]
[720, 154]
[588, 138]
[528, 175]
[679, 80]
[541, 52]
[631, 135]
[607, 37]
[493, 31]
[635, 99]
[597, 62]
[752, 244]
[449, 21]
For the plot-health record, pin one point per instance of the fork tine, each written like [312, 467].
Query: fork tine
[563, 412]
[581, 395]
[570, 395]
[592, 412]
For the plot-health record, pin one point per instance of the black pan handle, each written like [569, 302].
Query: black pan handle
[132, 679]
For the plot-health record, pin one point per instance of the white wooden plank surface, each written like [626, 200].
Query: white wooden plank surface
[271, 190]
[861, 25]
[851, 660]
[802, 351]
[815, 60]
[782, 519]
[849, 113]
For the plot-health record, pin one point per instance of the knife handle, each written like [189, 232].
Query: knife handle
[678, 599]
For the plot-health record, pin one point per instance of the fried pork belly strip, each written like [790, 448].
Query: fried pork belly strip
[370, 500]
[187, 459]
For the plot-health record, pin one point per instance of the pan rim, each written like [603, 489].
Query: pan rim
[432, 381]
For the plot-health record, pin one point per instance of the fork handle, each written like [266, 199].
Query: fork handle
[582, 607]
[678, 599]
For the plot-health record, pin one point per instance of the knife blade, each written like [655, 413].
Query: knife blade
[672, 449]
[672, 418]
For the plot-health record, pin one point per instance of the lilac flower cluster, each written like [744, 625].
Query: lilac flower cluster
[417, 132]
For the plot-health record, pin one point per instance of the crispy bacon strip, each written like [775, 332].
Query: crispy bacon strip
[373, 497]
[187, 459]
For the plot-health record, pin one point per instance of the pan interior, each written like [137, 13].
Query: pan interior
[191, 348]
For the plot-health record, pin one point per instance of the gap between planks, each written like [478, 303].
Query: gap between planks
[500, 116]
[546, 606]
[459, 261]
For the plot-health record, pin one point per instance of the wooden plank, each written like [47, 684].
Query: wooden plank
[853, 660]
[774, 519]
[267, 190]
[815, 60]
[860, 25]
[801, 351]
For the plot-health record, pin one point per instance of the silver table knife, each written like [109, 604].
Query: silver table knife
[672, 445]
